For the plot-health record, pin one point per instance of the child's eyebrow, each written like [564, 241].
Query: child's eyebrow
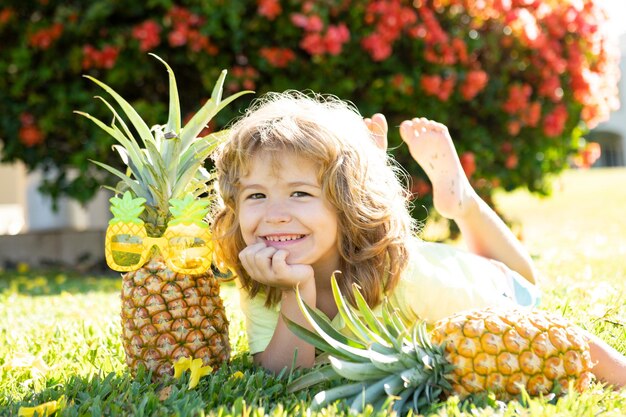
[247, 186]
[290, 184]
[303, 183]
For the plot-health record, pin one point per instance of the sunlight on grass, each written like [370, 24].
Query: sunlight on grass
[577, 239]
[60, 333]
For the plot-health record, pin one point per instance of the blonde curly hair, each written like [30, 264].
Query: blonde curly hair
[358, 179]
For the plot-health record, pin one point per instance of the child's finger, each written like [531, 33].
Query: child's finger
[279, 262]
[263, 261]
[256, 260]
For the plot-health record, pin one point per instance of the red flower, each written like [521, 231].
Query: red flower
[532, 114]
[446, 89]
[269, 8]
[513, 127]
[518, 98]
[313, 44]
[419, 187]
[178, 37]
[588, 156]
[147, 33]
[468, 163]
[554, 122]
[335, 37]
[93, 58]
[551, 88]
[475, 82]
[29, 134]
[181, 16]
[5, 15]
[198, 42]
[278, 57]
[243, 77]
[44, 38]
[431, 84]
[375, 45]
[299, 20]
[461, 50]
[312, 23]
[511, 161]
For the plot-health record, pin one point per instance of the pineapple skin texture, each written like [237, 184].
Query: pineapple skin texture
[168, 315]
[504, 350]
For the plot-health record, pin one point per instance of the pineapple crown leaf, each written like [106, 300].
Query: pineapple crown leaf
[189, 210]
[173, 121]
[135, 160]
[139, 124]
[398, 361]
[126, 180]
[126, 139]
[208, 110]
[165, 161]
[351, 319]
[127, 209]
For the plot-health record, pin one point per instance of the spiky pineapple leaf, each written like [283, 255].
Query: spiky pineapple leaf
[372, 321]
[139, 124]
[132, 184]
[336, 342]
[323, 373]
[115, 133]
[315, 339]
[342, 391]
[351, 319]
[213, 106]
[173, 121]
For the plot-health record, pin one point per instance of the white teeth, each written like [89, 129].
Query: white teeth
[284, 238]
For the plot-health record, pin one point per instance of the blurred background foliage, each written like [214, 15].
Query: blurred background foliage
[518, 82]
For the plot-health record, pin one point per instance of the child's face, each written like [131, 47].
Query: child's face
[281, 204]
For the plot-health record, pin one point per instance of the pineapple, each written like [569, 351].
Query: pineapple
[501, 351]
[165, 314]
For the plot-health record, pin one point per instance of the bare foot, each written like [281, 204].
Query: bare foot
[378, 126]
[431, 146]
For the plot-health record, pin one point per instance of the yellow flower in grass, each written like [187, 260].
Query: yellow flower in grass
[236, 375]
[197, 370]
[180, 366]
[45, 409]
[22, 267]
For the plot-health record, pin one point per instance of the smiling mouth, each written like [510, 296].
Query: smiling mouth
[283, 238]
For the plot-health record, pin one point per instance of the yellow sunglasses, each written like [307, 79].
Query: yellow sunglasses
[185, 245]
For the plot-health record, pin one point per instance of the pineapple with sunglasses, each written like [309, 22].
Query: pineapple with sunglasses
[158, 236]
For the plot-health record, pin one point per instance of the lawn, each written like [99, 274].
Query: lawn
[59, 332]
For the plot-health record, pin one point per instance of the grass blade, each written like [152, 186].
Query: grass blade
[315, 376]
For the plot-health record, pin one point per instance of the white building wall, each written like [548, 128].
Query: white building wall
[617, 121]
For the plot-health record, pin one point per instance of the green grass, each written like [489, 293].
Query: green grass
[71, 323]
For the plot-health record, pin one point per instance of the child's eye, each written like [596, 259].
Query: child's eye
[255, 196]
[300, 194]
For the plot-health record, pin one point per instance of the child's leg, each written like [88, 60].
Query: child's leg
[454, 198]
[610, 365]
[377, 124]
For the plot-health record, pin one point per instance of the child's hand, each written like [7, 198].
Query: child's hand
[268, 265]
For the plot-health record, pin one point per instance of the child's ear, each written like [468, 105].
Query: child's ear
[377, 125]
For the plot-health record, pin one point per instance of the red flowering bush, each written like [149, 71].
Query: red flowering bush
[518, 82]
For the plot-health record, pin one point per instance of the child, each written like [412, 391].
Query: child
[308, 190]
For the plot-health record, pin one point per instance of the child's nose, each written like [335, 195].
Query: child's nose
[277, 213]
